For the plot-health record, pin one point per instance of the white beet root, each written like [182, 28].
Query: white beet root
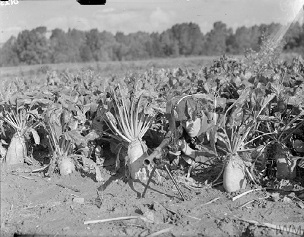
[16, 151]
[137, 152]
[234, 177]
[66, 166]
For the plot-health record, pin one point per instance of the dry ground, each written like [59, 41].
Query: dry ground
[59, 206]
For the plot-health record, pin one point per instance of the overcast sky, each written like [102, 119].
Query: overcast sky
[142, 15]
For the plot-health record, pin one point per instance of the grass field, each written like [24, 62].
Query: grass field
[115, 68]
[106, 69]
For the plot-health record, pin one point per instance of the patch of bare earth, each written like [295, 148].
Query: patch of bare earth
[60, 206]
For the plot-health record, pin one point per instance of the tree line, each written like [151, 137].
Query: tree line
[39, 46]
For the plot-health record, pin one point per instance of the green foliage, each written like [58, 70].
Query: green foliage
[32, 46]
[248, 103]
[216, 39]
[185, 39]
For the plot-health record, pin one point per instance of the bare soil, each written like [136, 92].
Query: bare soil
[35, 205]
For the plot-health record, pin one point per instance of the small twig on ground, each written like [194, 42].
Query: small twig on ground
[160, 232]
[111, 219]
[243, 194]
[68, 187]
[185, 185]
[49, 205]
[246, 203]
[40, 169]
[174, 212]
[169, 210]
[193, 217]
[25, 177]
[213, 200]
[138, 226]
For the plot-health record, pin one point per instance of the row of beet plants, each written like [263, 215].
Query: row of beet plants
[256, 117]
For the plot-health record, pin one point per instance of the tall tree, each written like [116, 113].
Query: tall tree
[77, 39]
[122, 46]
[156, 45]
[60, 46]
[108, 45]
[9, 56]
[189, 38]
[139, 46]
[94, 43]
[169, 44]
[216, 39]
[32, 46]
[247, 38]
[294, 37]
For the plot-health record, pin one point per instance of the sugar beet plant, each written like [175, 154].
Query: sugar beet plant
[24, 121]
[237, 133]
[20, 115]
[65, 122]
[130, 116]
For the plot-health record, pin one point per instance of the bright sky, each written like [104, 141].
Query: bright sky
[142, 15]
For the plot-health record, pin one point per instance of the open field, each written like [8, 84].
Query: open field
[107, 69]
[116, 68]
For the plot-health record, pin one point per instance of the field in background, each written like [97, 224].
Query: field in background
[114, 68]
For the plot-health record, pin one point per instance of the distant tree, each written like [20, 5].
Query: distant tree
[94, 43]
[246, 38]
[271, 31]
[156, 45]
[215, 43]
[77, 39]
[122, 46]
[9, 56]
[197, 39]
[189, 38]
[231, 45]
[169, 44]
[108, 46]
[86, 54]
[121, 51]
[32, 46]
[121, 38]
[101, 45]
[294, 37]
[60, 46]
[139, 46]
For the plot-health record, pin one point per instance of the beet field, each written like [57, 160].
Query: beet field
[94, 149]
